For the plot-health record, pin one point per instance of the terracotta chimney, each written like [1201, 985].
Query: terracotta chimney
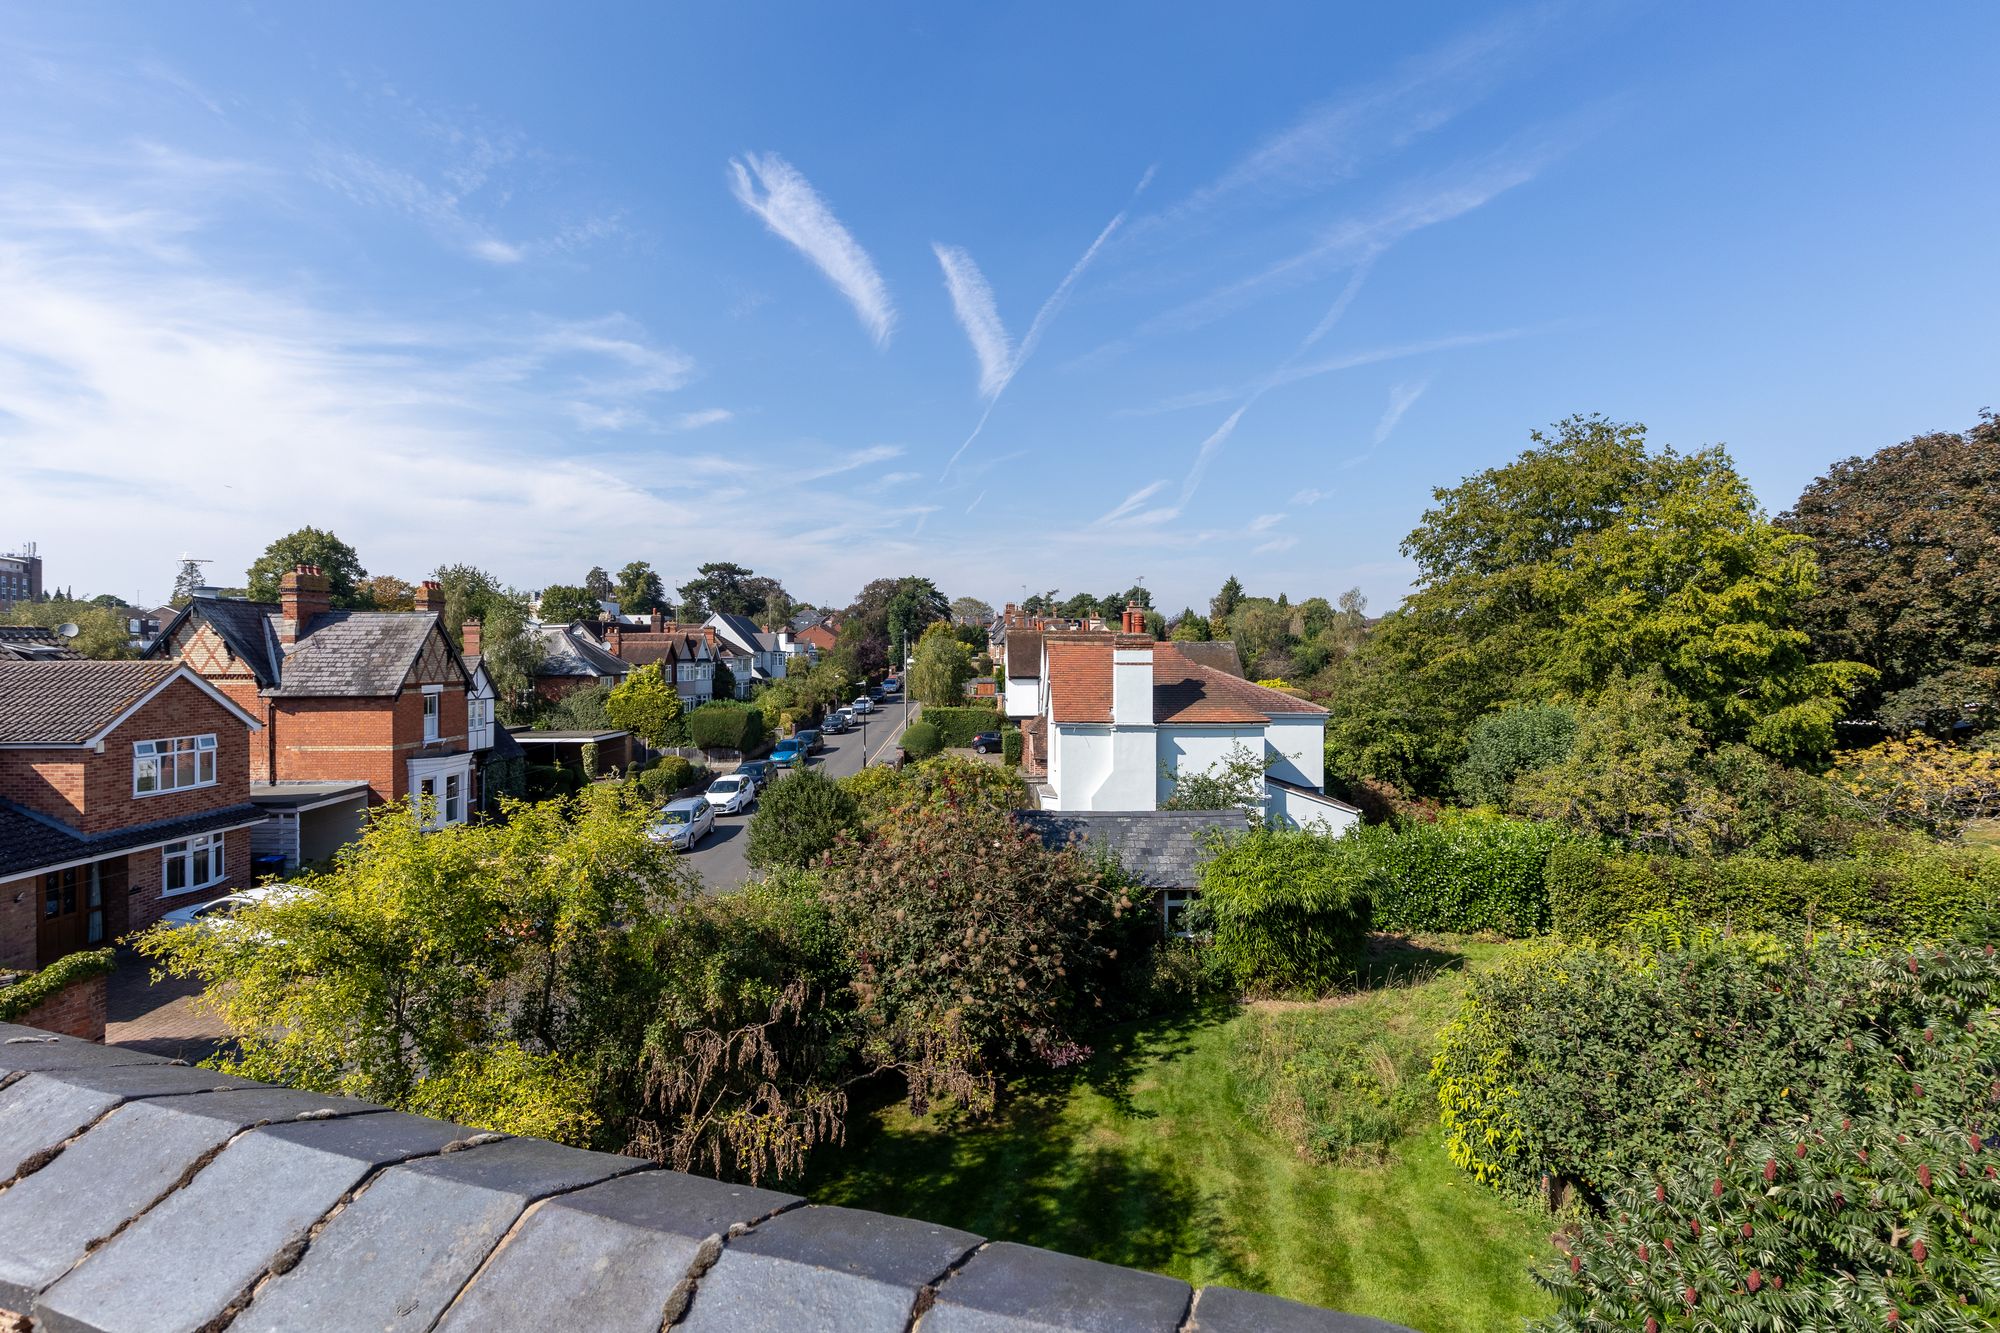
[469, 634]
[430, 597]
[1135, 618]
[614, 638]
[659, 620]
[302, 594]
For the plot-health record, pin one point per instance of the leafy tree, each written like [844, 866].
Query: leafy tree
[1288, 907]
[1081, 607]
[730, 589]
[598, 584]
[886, 615]
[102, 632]
[511, 655]
[723, 683]
[309, 546]
[940, 668]
[1234, 782]
[1223, 605]
[916, 604]
[1156, 624]
[645, 704]
[1922, 783]
[1190, 628]
[1506, 744]
[186, 581]
[971, 611]
[583, 709]
[799, 818]
[470, 593]
[640, 591]
[565, 603]
[884, 792]
[481, 970]
[386, 592]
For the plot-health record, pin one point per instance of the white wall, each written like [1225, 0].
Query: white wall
[1298, 744]
[1297, 809]
[1200, 749]
[1024, 695]
[1103, 768]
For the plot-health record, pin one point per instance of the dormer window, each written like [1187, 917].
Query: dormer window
[172, 765]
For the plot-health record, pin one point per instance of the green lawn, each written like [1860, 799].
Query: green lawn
[1150, 1158]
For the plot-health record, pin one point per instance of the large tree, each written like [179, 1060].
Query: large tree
[640, 591]
[971, 611]
[562, 603]
[386, 592]
[886, 615]
[939, 668]
[598, 584]
[723, 588]
[102, 631]
[1908, 545]
[646, 704]
[310, 546]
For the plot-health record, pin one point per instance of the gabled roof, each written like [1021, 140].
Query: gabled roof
[355, 653]
[1022, 651]
[33, 643]
[1217, 655]
[1184, 691]
[76, 702]
[1162, 849]
[244, 626]
[738, 630]
[569, 651]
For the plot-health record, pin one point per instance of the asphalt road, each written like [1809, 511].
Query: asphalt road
[719, 857]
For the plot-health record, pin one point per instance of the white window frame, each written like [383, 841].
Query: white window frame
[148, 756]
[187, 853]
[1173, 912]
[433, 712]
[436, 778]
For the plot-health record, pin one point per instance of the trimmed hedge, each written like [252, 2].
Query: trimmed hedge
[1010, 747]
[921, 739]
[666, 777]
[33, 991]
[957, 726]
[726, 726]
[1463, 873]
[1931, 892]
[1289, 909]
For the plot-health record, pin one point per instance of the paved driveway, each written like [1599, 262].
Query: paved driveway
[159, 1018]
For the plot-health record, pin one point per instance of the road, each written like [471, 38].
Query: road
[719, 859]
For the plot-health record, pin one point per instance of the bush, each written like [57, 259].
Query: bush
[670, 775]
[1925, 891]
[1010, 747]
[1462, 873]
[33, 990]
[956, 726]
[882, 791]
[545, 781]
[799, 817]
[726, 726]
[921, 740]
[1502, 746]
[1287, 907]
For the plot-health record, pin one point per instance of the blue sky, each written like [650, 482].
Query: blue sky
[1016, 296]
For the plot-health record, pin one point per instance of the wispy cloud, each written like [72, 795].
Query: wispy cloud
[374, 184]
[773, 189]
[1265, 522]
[972, 301]
[1131, 503]
[709, 416]
[1275, 545]
[1312, 495]
[1401, 398]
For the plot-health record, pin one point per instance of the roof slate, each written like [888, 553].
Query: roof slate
[566, 652]
[1217, 655]
[1162, 849]
[355, 653]
[33, 643]
[65, 702]
[30, 841]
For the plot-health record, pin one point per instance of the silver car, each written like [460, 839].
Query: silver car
[682, 823]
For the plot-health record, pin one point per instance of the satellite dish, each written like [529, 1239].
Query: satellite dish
[69, 631]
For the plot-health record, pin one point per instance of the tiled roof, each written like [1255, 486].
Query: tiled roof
[147, 1195]
[65, 702]
[740, 630]
[1162, 849]
[1218, 655]
[33, 643]
[30, 841]
[1080, 679]
[1022, 651]
[362, 654]
[244, 626]
[1184, 690]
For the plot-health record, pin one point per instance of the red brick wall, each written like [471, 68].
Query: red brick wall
[338, 740]
[20, 914]
[92, 792]
[553, 688]
[77, 1010]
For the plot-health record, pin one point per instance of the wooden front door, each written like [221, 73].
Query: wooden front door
[72, 911]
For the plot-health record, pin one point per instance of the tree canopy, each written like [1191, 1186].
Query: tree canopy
[646, 704]
[102, 631]
[310, 546]
[562, 603]
[723, 588]
[640, 591]
[940, 667]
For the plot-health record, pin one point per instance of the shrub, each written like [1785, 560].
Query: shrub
[799, 817]
[1010, 747]
[33, 990]
[580, 710]
[882, 791]
[671, 774]
[1287, 907]
[1502, 746]
[956, 726]
[545, 781]
[1923, 891]
[1463, 872]
[726, 726]
[921, 740]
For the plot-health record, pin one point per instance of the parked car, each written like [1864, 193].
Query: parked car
[986, 742]
[876, 693]
[730, 794]
[847, 719]
[788, 753]
[862, 704]
[812, 739]
[833, 724]
[892, 686]
[758, 771]
[219, 911]
[682, 823]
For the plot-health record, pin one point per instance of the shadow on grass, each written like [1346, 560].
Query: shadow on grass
[1395, 961]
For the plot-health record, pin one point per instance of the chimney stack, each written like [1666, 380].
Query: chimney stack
[614, 638]
[302, 594]
[708, 634]
[1135, 618]
[659, 620]
[430, 597]
[469, 634]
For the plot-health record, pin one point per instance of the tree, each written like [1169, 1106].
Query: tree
[470, 593]
[386, 592]
[1506, 744]
[102, 631]
[640, 591]
[598, 584]
[1908, 547]
[887, 615]
[916, 604]
[1190, 628]
[799, 818]
[1234, 782]
[1156, 624]
[564, 603]
[940, 668]
[1223, 605]
[186, 581]
[584, 709]
[971, 611]
[921, 740]
[309, 546]
[723, 588]
[724, 682]
[511, 655]
[480, 972]
[645, 704]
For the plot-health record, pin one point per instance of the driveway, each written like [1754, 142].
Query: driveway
[160, 1018]
[719, 859]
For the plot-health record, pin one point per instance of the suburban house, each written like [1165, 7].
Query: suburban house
[753, 656]
[1120, 715]
[500, 764]
[33, 643]
[1162, 849]
[817, 638]
[1014, 640]
[357, 707]
[686, 653]
[572, 659]
[124, 792]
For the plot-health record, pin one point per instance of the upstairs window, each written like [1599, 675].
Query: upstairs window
[432, 697]
[172, 765]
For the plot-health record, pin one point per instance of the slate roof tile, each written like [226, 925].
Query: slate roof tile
[1162, 849]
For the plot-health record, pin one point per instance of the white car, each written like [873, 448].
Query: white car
[730, 794]
[218, 911]
[863, 704]
[682, 823]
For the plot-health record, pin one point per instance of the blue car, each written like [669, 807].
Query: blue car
[788, 754]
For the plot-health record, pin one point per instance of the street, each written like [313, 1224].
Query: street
[719, 857]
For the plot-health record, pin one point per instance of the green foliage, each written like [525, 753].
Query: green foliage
[309, 546]
[640, 591]
[1288, 907]
[882, 791]
[1913, 892]
[940, 668]
[1506, 744]
[545, 780]
[1234, 782]
[1010, 747]
[508, 1089]
[646, 704]
[101, 632]
[921, 739]
[563, 603]
[799, 818]
[1463, 872]
[1190, 628]
[671, 775]
[957, 725]
[586, 708]
[405, 973]
[726, 726]
[38, 988]
[721, 587]
[977, 949]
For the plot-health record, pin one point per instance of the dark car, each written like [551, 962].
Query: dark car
[758, 771]
[833, 724]
[986, 742]
[876, 692]
[811, 739]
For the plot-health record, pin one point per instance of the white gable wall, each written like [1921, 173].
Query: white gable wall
[1024, 695]
[1297, 744]
[1197, 749]
[1099, 767]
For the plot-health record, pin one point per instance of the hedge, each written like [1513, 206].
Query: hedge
[663, 779]
[957, 726]
[1465, 872]
[921, 739]
[726, 726]
[1932, 892]
[1010, 747]
[30, 993]
[1288, 909]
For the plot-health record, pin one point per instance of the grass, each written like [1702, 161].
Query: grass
[1161, 1153]
[1981, 833]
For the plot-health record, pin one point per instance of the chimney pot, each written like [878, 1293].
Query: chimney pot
[430, 597]
[302, 594]
[659, 620]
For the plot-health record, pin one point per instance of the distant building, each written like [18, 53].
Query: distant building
[20, 577]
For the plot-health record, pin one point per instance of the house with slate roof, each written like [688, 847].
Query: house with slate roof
[687, 654]
[754, 656]
[124, 792]
[357, 707]
[1162, 849]
[33, 643]
[573, 659]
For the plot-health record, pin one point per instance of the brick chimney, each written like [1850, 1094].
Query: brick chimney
[302, 594]
[430, 597]
[469, 633]
[708, 634]
[659, 620]
[614, 638]
[1135, 618]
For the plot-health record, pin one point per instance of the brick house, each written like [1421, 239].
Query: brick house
[573, 660]
[358, 707]
[124, 792]
[687, 654]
